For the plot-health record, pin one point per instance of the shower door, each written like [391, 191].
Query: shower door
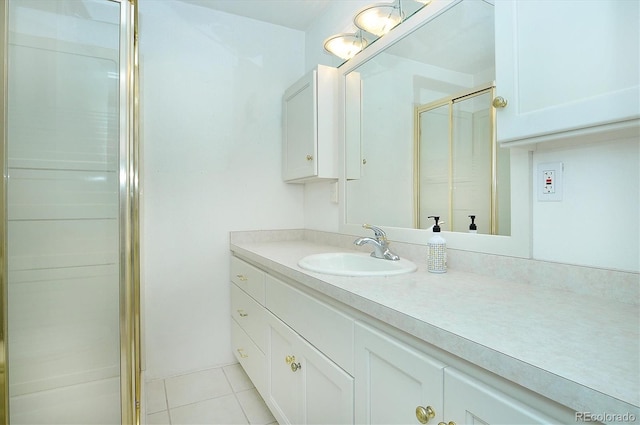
[69, 173]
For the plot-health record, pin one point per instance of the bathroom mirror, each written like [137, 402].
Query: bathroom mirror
[446, 50]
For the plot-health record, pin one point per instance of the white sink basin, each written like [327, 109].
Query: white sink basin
[355, 264]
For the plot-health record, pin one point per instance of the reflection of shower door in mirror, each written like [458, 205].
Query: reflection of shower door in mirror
[457, 165]
[65, 220]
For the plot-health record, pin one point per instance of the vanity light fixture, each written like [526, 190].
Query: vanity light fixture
[376, 19]
[379, 19]
[345, 45]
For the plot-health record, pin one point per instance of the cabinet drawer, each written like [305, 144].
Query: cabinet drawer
[249, 315]
[469, 400]
[329, 330]
[253, 361]
[250, 279]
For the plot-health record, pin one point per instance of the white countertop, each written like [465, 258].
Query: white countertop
[581, 351]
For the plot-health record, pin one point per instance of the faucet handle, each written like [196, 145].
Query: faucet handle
[380, 234]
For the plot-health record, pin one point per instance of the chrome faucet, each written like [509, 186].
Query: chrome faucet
[380, 244]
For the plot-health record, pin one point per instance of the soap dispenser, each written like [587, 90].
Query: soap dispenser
[436, 250]
[472, 227]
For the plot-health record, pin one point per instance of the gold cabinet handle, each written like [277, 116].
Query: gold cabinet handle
[445, 423]
[291, 361]
[309, 157]
[424, 414]
[242, 277]
[242, 313]
[242, 354]
[499, 102]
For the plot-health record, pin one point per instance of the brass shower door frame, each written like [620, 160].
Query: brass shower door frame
[4, 379]
[130, 360]
[449, 102]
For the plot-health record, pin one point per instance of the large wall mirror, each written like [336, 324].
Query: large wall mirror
[420, 134]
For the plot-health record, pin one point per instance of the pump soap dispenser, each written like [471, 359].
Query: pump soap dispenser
[436, 250]
[472, 227]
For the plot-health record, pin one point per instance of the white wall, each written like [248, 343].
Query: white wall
[596, 223]
[211, 133]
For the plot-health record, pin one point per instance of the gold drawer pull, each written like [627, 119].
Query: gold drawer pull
[444, 423]
[242, 277]
[309, 157]
[424, 414]
[291, 361]
[242, 313]
[242, 354]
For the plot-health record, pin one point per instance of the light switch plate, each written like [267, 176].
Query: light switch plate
[549, 181]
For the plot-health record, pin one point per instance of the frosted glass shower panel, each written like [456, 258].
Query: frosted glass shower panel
[63, 211]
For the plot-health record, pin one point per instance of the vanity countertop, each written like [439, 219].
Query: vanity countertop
[582, 351]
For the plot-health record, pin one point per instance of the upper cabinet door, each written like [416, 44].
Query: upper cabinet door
[309, 148]
[566, 65]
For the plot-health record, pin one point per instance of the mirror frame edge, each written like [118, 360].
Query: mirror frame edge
[519, 243]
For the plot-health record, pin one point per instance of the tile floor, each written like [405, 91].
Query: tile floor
[217, 396]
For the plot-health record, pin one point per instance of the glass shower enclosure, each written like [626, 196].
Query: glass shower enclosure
[70, 262]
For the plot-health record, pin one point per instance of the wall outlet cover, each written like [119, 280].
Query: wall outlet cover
[548, 181]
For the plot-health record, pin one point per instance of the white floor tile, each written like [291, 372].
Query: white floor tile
[156, 396]
[194, 387]
[237, 377]
[254, 407]
[221, 410]
[159, 418]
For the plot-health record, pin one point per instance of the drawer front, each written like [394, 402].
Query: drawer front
[253, 360]
[250, 316]
[328, 329]
[250, 279]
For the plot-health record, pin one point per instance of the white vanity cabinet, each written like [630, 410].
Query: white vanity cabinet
[300, 383]
[248, 324]
[316, 360]
[394, 381]
[305, 386]
[309, 127]
[308, 383]
[397, 384]
[567, 68]
[469, 401]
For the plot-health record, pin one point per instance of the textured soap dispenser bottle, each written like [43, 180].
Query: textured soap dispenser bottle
[436, 250]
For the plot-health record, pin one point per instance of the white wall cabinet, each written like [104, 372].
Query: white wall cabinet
[579, 75]
[309, 144]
